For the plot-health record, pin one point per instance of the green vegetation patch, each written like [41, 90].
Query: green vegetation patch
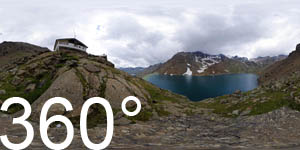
[42, 84]
[144, 115]
[263, 103]
[157, 94]
[161, 111]
[66, 57]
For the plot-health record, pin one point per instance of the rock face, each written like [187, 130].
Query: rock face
[199, 64]
[92, 68]
[67, 85]
[78, 77]
[2, 92]
[282, 69]
[298, 47]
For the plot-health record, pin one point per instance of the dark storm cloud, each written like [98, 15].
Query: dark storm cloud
[218, 34]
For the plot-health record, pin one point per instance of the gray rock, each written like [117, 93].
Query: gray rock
[115, 96]
[118, 115]
[236, 112]
[16, 81]
[2, 92]
[67, 85]
[223, 101]
[246, 112]
[238, 92]
[72, 63]
[122, 121]
[21, 72]
[13, 71]
[92, 68]
[30, 87]
[292, 94]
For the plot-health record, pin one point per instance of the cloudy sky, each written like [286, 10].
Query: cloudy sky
[140, 33]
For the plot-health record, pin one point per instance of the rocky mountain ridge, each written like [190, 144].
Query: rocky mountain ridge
[282, 69]
[18, 52]
[201, 64]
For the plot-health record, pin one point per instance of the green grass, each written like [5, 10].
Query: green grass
[19, 91]
[144, 115]
[59, 65]
[102, 89]
[275, 101]
[157, 94]
[278, 100]
[83, 82]
[69, 57]
[161, 111]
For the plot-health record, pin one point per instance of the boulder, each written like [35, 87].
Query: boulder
[13, 71]
[236, 112]
[72, 63]
[238, 92]
[21, 72]
[30, 87]
[16, 81]
[292, 94]
[115, 92]
[68, 86]
[122, 121]
[33, 66]
[2, 92]
[246, 112]
[92, 68]
[223, 101]
[56, 109]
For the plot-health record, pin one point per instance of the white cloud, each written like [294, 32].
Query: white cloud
[139, 33]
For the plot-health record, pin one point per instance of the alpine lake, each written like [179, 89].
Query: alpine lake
[198, 88]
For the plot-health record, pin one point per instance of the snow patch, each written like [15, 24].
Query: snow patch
[188, 72]
[206, 62]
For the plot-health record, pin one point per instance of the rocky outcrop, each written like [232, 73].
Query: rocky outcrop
[77, 77]
[67, 85]
[2, 92]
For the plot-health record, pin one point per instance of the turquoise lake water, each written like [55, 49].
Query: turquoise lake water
[197, 88]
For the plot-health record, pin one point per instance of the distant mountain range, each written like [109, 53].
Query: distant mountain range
[132, 70]
[201, 64]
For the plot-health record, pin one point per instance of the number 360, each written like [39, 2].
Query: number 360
[44, 123]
